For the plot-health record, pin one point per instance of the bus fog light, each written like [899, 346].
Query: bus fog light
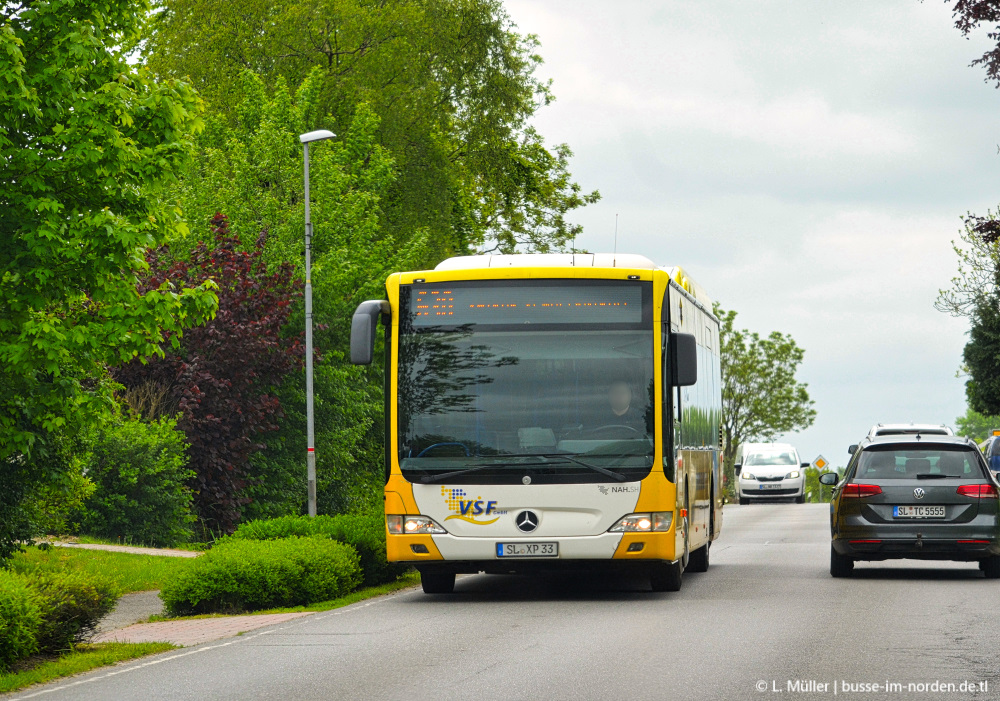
[643, 523]
[420, 525]
[635, 547]
[394, 523]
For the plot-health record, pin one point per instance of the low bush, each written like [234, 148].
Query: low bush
[141, 478]
[245, 575]
[365, 532]
[46, 612]
[20, 618]
[72, 605]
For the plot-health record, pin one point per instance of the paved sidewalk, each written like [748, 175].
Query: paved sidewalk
[131, 608]
[196, 631]
[132, 550]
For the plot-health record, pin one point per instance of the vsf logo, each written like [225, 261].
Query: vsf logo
[468, 508]
[477, 508]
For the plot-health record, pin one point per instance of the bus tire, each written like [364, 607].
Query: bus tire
[437, 582]
[698, 561]
[666, 576]
[840, 565]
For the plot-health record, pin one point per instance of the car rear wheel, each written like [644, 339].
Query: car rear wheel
[666, 576]
[840, 565]
[990, 567]
[437, 582]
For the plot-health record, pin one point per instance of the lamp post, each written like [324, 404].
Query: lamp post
[307, 139]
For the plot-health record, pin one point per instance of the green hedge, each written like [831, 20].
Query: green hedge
[72, 605]
[246, 575]
[365, 532]
[46, 613]
[20, 618]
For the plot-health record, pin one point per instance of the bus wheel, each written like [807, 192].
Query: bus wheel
[698, 561]
[437, 582]
[666, 576]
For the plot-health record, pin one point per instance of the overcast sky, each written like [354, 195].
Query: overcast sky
[806, 161]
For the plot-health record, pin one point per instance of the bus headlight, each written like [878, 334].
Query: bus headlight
[412, 525]
[644, 523]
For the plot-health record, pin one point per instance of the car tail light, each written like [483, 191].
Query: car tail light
[978, 491]
[861, 490]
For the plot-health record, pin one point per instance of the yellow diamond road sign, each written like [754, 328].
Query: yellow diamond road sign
[820, 463]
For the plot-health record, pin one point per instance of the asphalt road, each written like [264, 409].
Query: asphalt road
[766, 613]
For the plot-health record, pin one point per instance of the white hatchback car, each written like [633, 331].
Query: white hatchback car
[769, 471]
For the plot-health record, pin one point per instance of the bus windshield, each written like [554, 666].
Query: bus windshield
[520, 395]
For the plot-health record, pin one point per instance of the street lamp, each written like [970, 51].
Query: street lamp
[307, 139]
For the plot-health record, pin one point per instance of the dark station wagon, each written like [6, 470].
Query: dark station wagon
[915, 496]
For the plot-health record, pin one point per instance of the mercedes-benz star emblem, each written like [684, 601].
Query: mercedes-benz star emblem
[919, 492]
[526, 521]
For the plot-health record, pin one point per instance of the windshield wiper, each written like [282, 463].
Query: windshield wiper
[427, 479]
[934, 476]
[590, 466]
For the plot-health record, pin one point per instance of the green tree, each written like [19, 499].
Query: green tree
[451, 82]
[252, 171]
[982, 357]
[976, 426]
[978, 267]
[87, 142]
[761, 398]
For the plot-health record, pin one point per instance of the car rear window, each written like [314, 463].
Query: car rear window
[910, 463]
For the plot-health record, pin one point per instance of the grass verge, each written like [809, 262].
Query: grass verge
[83, 659]
[406, 581]
[129, 572]
[128, 542]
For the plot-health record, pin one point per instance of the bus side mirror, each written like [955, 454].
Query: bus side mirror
[852, 449]
[363, 325]
[684, 360]
[829, 478]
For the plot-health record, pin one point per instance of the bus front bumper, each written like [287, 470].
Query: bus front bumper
[480, 554]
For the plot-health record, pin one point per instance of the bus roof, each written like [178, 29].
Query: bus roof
[571, 260]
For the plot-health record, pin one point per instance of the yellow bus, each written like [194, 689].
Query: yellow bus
[548, 412]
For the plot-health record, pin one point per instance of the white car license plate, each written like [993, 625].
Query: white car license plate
[772, 485]
[918, 512]
[527, 549]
